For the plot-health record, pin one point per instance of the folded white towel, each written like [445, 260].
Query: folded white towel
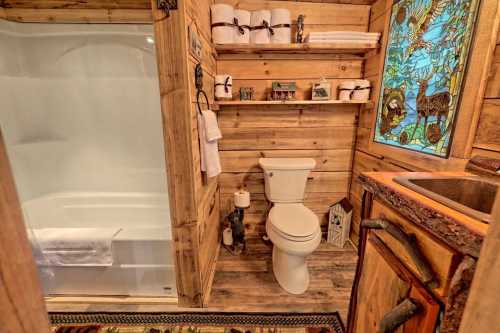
[74, 246]
[223, 86]
[209, 151]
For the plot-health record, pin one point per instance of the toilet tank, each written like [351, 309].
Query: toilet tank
[286, 178]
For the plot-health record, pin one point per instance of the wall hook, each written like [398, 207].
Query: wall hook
[167, 6]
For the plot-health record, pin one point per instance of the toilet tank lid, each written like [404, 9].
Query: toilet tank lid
[287, 163]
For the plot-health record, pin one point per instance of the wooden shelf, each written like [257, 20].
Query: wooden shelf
[306, 48]
[330, 102]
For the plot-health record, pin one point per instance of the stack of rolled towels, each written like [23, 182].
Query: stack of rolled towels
[343, 36]
[238, 26]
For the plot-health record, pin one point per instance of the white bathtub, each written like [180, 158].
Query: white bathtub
[142, 250]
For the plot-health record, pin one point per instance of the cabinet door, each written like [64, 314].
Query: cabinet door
[384, 284]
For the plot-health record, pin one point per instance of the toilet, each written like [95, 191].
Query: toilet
[293, 228]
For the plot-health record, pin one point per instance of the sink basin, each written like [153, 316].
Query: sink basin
[472, 196]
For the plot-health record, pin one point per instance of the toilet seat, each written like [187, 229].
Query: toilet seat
[294, 222]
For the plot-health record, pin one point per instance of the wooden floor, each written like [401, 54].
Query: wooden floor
[246, 283]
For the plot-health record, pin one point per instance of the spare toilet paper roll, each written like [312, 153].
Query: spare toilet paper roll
[242, 31]
[281, 23]
[242, 199]
[223, 87]
[260, 24]
[227, 237]
[222, 23]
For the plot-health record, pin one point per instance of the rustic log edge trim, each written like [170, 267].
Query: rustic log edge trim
[446, 228]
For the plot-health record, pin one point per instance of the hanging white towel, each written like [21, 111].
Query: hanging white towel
[212, 131]
[209, 151]
[75, 246]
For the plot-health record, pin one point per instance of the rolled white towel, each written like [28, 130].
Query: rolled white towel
[362, 90]
[243, 19]
[260, 34]
[223, 86]
[281, 23]
[346, 89]
[222, 14]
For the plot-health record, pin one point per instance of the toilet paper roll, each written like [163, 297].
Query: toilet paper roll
[223, 87]
[242, 199]
[227, 237]
[260, 35]
[222, 14]
[243, 17]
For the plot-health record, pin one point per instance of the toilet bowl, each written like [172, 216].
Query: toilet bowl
[295, 233]
[293, 228]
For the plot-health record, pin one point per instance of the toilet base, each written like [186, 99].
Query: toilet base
[290, 271]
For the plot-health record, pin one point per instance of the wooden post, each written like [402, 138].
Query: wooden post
[22, 309]
[483, 306]
[171, 45]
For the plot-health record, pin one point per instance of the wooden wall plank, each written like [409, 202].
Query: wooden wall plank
[290, 69]
[488, 133]
[493, 88]
[316, 13]
[319, 182]
[81, 4]
[288, 116]
[287, 138]
[30, 15]
[21, 301]
[248, 161]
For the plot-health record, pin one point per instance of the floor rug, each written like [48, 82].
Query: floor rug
[196, 322]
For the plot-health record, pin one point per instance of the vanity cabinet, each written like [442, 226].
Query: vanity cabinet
[403, 275]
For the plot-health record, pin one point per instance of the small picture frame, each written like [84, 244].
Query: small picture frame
[322, 91]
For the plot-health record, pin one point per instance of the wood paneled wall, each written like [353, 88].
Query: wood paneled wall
[325, 133]
[372, 157]
[194, 201]
[207, 190]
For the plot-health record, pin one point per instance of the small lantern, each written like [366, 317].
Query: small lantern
[339, 222]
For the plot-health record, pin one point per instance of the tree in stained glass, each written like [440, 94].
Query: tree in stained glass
[425, 61]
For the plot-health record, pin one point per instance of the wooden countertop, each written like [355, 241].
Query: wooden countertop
[459, 231]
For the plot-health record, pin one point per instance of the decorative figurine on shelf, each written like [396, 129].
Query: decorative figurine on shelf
[234, 233]
[246, 94]
[322, 90]
[283, 91]
[300, 29]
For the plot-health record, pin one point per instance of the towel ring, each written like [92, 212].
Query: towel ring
[201, 92]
